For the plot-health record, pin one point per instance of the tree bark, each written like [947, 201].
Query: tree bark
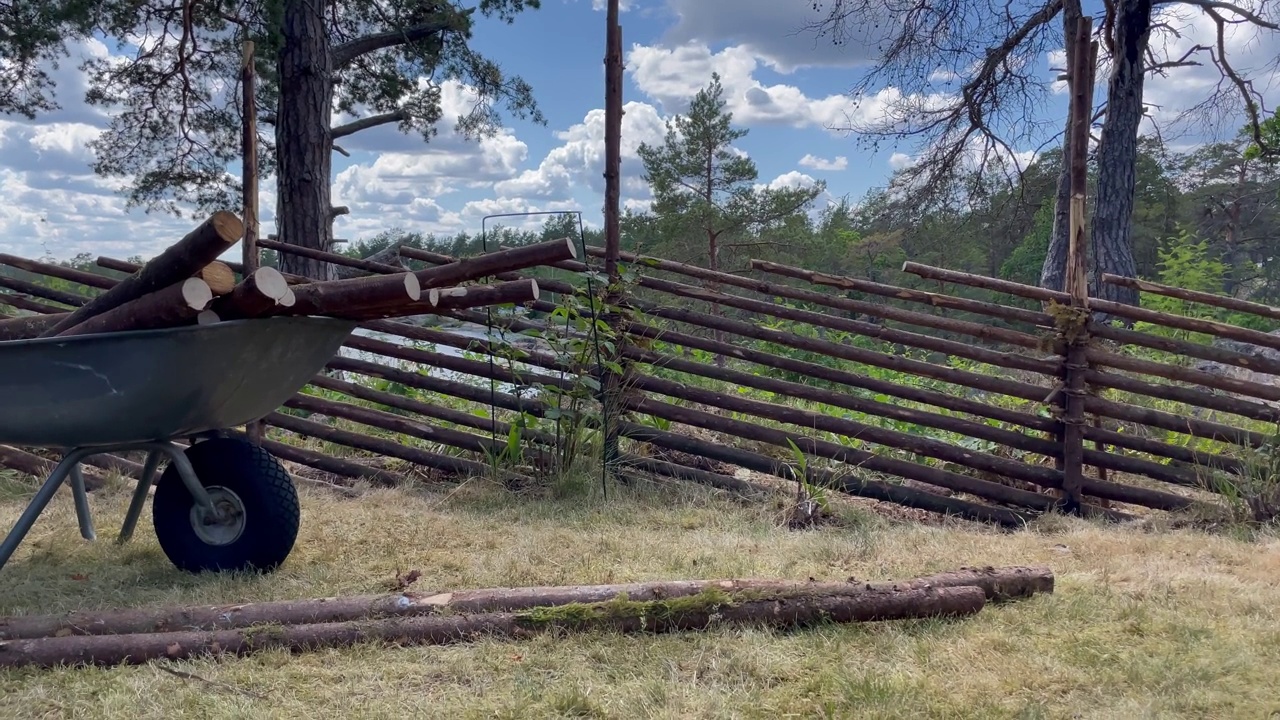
[464, 296]
[175, 305]
[998, 585]
[25, 328]
[1118, 154]
[693, 613]
[179, 262]
[304, 140]
[1053, 274]
[356, 297]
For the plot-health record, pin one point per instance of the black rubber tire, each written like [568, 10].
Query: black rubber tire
[270, 501]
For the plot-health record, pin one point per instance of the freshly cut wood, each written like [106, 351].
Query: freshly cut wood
[207, 317]
[474, 268]
[88, 279]
[25, 303]
[219, 276]
[708, 609]
[25, 328]
[174, 305]
[255, 296]
[998, 584]
[1221, 301]
[177, 263]
[354, 297]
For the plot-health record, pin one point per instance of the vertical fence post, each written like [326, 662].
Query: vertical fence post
[1073, 322]
[249, 182]
[611, 382]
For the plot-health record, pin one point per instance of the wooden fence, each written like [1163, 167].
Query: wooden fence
[950, 399]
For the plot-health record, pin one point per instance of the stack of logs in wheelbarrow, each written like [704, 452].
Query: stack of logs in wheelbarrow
[186, 284]
[184, 349]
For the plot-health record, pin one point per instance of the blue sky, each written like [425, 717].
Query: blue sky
[785, 87]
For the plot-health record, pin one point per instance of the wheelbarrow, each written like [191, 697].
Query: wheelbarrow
[222, 503]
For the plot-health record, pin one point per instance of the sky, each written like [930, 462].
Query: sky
[789, 88]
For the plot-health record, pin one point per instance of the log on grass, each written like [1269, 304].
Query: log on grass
[354, 297]
[255, 296]
[998, 584]
[176, 264]
[703, 611]
[175, 305]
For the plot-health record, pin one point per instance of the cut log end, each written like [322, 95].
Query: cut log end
[271, 283]
[573, 249]
[288, 299]
[207, 317]
[412, 287]
[220, 277]
[228, 227]
[196, 293]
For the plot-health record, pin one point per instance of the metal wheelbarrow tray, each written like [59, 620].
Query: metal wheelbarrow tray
[222, 503]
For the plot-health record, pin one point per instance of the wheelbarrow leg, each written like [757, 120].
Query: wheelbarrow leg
[37, 506]
[177, 456]
[140, 496]
[81, 497]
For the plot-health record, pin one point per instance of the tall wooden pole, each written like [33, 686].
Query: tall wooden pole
[611, 382]
[1082, 58]
[249, 183]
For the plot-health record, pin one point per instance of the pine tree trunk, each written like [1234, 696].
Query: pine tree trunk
[1118, 154]
[303, 138]
[1053, 274]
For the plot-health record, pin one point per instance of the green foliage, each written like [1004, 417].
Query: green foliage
[1185, 262]
[1024, 263]
[701, 182]
[175, 104]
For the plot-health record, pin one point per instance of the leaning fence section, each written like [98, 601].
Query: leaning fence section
[948, 399]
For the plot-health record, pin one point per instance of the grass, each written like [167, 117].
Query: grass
[1143, 623]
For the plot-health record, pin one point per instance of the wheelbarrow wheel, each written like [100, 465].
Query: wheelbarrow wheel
[258, 506]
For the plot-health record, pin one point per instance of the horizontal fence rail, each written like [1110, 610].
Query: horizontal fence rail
[896, 394]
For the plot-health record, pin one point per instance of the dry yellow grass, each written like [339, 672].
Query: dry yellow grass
[1143, 624]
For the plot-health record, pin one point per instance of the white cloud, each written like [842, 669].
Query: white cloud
[579, 161]
[813, 162]
[774, 30]
[672, 76]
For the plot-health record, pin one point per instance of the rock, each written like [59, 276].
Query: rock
[1239, 373]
